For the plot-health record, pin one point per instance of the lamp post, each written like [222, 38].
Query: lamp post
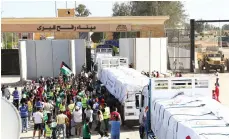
[55, 9]
[150, 34]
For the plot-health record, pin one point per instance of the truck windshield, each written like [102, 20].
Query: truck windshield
[226, 39]
[214, 55]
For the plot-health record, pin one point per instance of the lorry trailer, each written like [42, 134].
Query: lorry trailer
[123, 87]
[181, 108]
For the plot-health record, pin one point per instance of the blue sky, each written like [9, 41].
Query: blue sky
[197, 9]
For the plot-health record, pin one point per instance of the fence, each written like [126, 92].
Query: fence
[178, 49]
[10, 62]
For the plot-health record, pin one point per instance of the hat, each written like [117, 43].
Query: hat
[77, 108]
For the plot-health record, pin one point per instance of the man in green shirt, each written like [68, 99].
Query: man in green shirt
[45, 116]
[86, 130]
[62, 94]
[81, 94]
[49, 94]
[58, 101]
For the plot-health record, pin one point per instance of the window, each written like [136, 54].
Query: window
[128, 34]
[142, 101]
[24, 35]
[137, 100]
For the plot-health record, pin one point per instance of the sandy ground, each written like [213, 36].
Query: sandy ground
[132, 133]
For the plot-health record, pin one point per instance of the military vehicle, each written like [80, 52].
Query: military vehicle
[212, 60]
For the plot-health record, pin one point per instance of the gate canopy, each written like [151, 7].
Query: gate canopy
[82, 24]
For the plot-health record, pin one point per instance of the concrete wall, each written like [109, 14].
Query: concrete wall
[23, 60]
[158, 54]
[137, 52]
[127, 48]
[44, 57]
[80, 54]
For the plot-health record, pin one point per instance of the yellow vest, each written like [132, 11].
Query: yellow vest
[51, 94]
[58, 89]
[62, 108]
[30, 106]
[48, 131]
[71, 107]
[84, 102]
[106, 114]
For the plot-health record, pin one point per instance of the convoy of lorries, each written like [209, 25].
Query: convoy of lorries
[166, 108]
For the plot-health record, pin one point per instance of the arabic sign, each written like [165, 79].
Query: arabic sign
[71, 28]
[64, 28]
[121, 28]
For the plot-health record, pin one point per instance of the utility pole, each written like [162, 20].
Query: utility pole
[55, 9]
[75, 5]
[150, 70]
[220, 35]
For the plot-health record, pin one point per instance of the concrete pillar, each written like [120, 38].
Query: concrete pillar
[72, 56]
[22, 60]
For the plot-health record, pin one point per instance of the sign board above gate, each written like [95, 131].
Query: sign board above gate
[65, 28]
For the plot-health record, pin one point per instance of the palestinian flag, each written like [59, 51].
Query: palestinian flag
[65, 69]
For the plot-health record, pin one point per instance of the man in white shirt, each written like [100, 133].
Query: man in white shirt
[89, 112]
[48, 107]
[217, 78]
[38, 120]
[77, 118]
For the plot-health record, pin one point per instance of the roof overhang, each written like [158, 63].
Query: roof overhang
[141, 20]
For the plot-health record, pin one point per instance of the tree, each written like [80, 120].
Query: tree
[199, 27]
[97, 37]
[82, 11]
[225, 27]
[9, 40]
[122, 9]
[174, 9]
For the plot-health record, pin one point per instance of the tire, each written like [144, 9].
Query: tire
[207, 68]
[222, 69]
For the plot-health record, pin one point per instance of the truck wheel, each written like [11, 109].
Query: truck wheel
[122, 115]
[222, 69]
[207, 68]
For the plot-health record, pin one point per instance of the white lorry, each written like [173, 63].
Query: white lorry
[124, 85]
[102, 52]
[181, 108]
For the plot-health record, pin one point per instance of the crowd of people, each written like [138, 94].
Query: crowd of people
[60, 104]
[57, 105]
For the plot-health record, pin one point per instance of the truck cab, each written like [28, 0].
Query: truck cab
[214, 60]
[165, 89]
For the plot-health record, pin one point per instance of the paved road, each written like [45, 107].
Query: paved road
[224, 86]
[132, 133]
